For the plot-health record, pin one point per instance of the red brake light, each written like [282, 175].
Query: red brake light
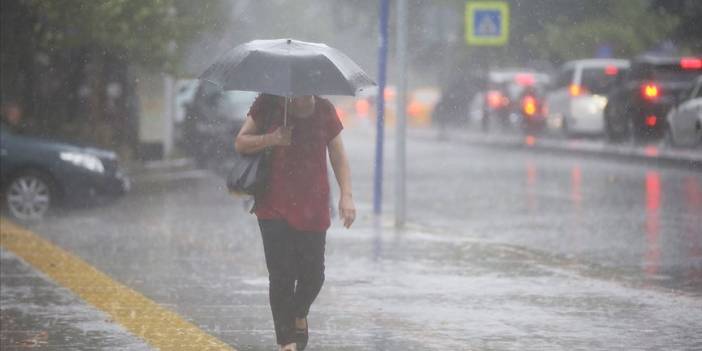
[525, 79]
[651, 120]
[530, 140]
[415, 108]
[496, 100]
[529, 105]
[691, 63]
[611, 70]
[362, 108]
[650, 91]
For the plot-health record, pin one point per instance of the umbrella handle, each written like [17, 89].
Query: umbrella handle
[285, 113]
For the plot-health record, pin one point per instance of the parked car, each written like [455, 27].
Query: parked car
[213, 118]
[576, 100]
[513, 98]
[640, 101]
[38, 174]
[685, 119]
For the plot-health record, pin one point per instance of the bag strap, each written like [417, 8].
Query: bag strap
[266, 118]
[267, 121]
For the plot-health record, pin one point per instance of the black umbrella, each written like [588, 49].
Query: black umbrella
[287, 68]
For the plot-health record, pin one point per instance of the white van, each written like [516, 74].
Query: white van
[576, 100]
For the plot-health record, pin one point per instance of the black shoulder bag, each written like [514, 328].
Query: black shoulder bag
[249, 174]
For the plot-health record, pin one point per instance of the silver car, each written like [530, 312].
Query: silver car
[685, 120]
[576, 100]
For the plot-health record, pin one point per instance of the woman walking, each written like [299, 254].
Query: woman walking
[293, 210]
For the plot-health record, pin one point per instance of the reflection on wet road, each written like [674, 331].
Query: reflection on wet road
[621, 214]
[653, 203]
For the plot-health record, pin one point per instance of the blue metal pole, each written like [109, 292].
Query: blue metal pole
[380, 119]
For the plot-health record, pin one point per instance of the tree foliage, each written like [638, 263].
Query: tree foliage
[70, 63]
[688, 32]
[147, 32]
[628, 27]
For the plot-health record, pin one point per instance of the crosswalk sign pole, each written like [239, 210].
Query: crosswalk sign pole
[380, 121]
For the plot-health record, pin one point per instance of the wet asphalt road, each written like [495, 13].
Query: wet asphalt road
[505, 250]
[623, 214]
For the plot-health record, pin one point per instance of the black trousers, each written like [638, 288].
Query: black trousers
[295, 263]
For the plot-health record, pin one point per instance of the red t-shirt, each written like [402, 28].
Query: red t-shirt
[297, 186]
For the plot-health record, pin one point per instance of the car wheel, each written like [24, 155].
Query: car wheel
[610, 133]
[617, 132]
[669, 138]
[633, 134]
[565, 128]
[29, 196]
[636, 134]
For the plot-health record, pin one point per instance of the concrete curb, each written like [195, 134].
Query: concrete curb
[656, 154]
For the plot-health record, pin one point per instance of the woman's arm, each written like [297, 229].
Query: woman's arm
[248, 141]
[342, 171]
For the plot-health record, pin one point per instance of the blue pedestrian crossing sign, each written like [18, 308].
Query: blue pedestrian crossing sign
[487, 23]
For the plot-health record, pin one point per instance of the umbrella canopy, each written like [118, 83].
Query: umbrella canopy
[289, 68]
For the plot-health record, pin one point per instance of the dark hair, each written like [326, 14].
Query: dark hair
[265, 104]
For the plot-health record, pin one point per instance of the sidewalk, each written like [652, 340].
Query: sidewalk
[39, 314]
[389, 291]
[655, 153]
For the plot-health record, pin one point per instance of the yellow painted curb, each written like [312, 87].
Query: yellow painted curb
[143, 317]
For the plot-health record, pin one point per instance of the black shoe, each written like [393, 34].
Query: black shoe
[301, 336]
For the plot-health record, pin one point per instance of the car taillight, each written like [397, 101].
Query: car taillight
[496, 100]
[577, 90]
[650, 91]
[691, 63]
[651, 120]
[529, 105]
[611, 70]
[524, 79]
[415, 109]
[362, 108]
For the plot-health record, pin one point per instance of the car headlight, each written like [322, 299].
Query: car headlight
[601, 101]
[86, 161]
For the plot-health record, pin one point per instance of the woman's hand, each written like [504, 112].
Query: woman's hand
[281, 136]
[249, 141]
[347, 210]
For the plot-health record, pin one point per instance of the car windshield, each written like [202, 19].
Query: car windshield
[598, 80]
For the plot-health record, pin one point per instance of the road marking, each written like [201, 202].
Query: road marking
[158, 326]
